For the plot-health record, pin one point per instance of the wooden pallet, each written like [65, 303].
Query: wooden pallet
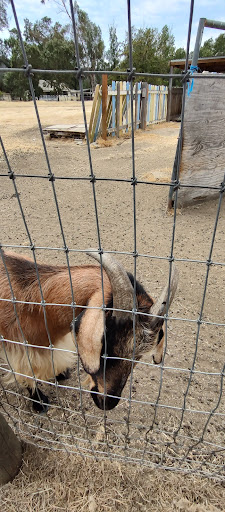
[77, 131]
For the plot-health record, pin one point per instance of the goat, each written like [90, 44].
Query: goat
[25, 323]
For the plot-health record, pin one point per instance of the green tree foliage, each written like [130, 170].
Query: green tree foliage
[166, 48]
[113, 54]
[152, 51]
[14, 83]
[207, 49]
[219, 45]
[51, 46]
[180, 54]
[213, 48]
[3, 14]
[91, 44]
[47, 47]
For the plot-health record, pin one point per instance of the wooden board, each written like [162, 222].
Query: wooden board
[66, 130]
[203, 153]
[93, 113]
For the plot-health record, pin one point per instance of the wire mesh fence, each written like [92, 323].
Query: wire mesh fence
[169, 416]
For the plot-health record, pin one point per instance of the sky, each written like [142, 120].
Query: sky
[145, 13]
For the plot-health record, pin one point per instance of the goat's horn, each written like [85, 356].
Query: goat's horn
[122, 289]
[159, 307]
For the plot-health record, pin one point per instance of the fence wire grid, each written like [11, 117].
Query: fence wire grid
[171, 417]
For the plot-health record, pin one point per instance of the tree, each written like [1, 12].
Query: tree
[207, 50]
[219, 45]
[47, 46]
[113, 54]
[152, 51]
[3, 14]
[4, 53]
[15, 83]
[180, 53]
[50, 47]
[213, 48]
[91, 45]
[144, 50]
[39, 31]
[91, 42]
[166, 48]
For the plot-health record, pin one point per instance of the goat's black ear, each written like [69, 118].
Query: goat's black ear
[90, 334]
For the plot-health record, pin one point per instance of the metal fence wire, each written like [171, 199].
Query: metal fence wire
[149, 428]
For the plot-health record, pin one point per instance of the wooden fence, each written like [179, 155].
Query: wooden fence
[174, 103]
[111, 111]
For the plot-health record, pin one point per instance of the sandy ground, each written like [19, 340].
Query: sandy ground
[154, 155]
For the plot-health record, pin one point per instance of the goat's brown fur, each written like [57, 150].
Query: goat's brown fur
[56, 289]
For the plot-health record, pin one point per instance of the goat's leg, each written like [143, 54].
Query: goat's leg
[40, 401]
[64, 375]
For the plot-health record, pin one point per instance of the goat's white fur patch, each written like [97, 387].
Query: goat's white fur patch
[40, 359]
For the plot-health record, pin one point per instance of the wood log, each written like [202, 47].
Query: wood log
[10, 452]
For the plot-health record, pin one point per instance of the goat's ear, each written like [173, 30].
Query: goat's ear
[90, 334]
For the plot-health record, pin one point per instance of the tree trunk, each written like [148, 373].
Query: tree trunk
[10, 452]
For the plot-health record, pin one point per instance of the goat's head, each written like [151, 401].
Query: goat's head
[117, 334]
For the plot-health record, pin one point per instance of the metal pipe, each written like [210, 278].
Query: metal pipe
[215, 24]
[198, 41]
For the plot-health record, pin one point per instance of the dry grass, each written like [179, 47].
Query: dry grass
[52, 481]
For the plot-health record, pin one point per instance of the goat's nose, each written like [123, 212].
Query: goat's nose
[157, 359]
[107, 403]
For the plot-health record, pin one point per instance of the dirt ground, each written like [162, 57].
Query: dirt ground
[54, 481]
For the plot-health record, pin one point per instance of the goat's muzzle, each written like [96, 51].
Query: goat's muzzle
[104, 402]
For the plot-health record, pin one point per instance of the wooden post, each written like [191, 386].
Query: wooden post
[127, 105]
[136, 106]
[93, 114]
[104, 105]
[118, 109]
[144, 99]
[113, 107]
[169, 96]
[10, 452]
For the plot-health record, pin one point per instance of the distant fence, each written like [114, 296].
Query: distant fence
[150, 106]
[70, 96]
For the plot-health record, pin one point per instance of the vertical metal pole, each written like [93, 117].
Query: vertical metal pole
[176, 166]
[198, 41]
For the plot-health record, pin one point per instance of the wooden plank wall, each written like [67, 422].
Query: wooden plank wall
[176, 102]
[150, 106]
[203, 153]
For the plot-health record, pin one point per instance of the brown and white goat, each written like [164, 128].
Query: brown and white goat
[25, 323]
